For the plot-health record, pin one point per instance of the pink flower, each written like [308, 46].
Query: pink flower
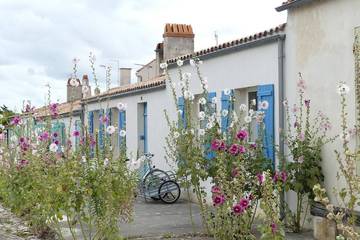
[253, 145]
[22, 163]
[218, 200]
[283, 176]
[76, 133]
[244, 203]
[217, 145]
[16, 121]
[242, 134]
[301, 137]
[44, 136]
[2, 136]
[237, 209]
[56, 142]
[301, 159]
[54, 111]
[242, 149]
[92, 142]
[234, 149]
[273, 227]
[295, 109]
[55, 134]
[216, 189]
[104, 119]
[234, 172]
[280, 176]
[307, 103]
[261, 178]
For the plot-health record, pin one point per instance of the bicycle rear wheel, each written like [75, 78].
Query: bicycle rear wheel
[152, 181]
[169, 192]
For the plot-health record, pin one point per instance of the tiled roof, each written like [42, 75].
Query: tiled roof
[63, 108]
[178, 30]
[291, 3]
[230, 44]
[155, 82]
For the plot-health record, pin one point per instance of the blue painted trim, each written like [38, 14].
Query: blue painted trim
[209, 154]
[266, 93]
[122, 126]
[226, 104]
[101, 129]
[181, 106]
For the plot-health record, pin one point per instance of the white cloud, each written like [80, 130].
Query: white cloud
[39, 38]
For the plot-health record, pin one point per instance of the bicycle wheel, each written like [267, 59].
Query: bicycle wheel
[152, 181]
[169, 192]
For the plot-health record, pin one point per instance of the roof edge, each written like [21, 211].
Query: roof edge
[292, 4]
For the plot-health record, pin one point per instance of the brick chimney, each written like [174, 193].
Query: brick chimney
[178, 40]
[125, 76]
[73, 92]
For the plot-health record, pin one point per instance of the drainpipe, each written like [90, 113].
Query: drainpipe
[281, 84]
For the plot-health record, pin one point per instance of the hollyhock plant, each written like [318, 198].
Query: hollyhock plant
[304, 136]
[242, 134]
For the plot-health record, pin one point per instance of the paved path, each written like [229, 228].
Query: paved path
[152, 220]
[12, 228]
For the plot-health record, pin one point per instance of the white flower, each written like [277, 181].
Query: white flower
[186, 76]
[106, 162]
[192, 62]
[110, 129]
[179, 62]
[187, 94]
[1, 116]
[201, 132]
[209, 125]
[243, 108]
[173, 85]
[201, 115]
[121, 106]
[227, 92]
[163, 65]
[204, 80]
[200, 62]
[192, 131]
[206, 86]
[251, 112]
[253, 102]
[83, 159]
[343, 89]
[176, 135]
[180, 112]
[202, 101]
[73, 82]
[214, 100]
[224, 112]
[1, 151]
[264, 105]
[191, 97]
[13, 138]
[247, 119]
[122, 133]
[85, 89]
[135, 164]
[53, 147]
[182, 84]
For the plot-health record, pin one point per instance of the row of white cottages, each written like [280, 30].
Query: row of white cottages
[317, 40]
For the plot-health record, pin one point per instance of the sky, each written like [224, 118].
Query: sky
[39, 38]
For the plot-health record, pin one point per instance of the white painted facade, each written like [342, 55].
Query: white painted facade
[319, 44]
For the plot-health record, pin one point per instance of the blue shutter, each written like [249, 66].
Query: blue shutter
[145, 129]
[266, 93]
[91, 130]
[101, 129]
[209, 154]
[62, 133]
[122, 124]
[181, 106]
[226, 104]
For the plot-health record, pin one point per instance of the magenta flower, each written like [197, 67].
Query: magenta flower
[242, 134]
[244, 203]
[76, 133]
[217, 145]
[307, 103]
[283, 176]
[54, 111]
[234, 149]
[280, 176]
[242, 149]
[261, 178]
[44, 136]
[92, 142]
[237, 209]
[22, 163]
[56, 142]
[273, 227]
[104, 119]
[253, 145]
[234, 172]
[16, 121]
[216, 189]
[218, 200]
[55, 134]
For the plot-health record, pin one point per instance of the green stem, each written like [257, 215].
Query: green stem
[70, 228]
[190, 209]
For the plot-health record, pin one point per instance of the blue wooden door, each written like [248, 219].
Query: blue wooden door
[91, 130]
[209, 154]
[226, 104]
[181, 106]
[266, 93]
[145, 129]
[101, 129]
